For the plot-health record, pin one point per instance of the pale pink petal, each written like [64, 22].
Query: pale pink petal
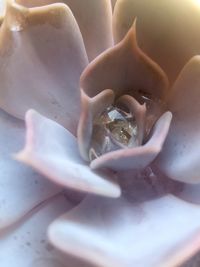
[26, 244]
[53, 151]
[125, 69]
[161, 232]
[42, 57]
[94, 18]
[168, 30]
[180, 159]
[137, 158]
[21, 189]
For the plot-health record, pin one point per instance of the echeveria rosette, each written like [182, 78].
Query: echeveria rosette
[43, 53]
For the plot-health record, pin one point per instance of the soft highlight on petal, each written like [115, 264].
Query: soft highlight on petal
[42, 57]
[168, 30]
[125, 69]
[21, 189]
[94, 18]
[124, 234]
[180, 158]
[53, 151]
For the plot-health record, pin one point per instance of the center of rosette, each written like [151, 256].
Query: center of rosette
[115, 128]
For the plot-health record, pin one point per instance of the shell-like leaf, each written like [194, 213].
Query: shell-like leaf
[125, 69]
[42, 57]
[26, 245]
[168, 31]
[180, 158]
[163, 232]
[21, 189]
[53, 151]
[94, 18]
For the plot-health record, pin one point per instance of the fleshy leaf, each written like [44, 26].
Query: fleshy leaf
[137, 158]
[125, 69]
[26, 245]
[168, 31]
[162, 232]
[94, 18]
[53, 151]
[42, 57]
[180, 159]
[21, 189]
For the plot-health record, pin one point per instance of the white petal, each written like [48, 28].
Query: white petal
[21, 189]
[26, 244]
[162, 232]
[53, 151]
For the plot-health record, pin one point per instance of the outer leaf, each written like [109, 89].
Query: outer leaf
[26, 245]
[124, 234]
[94, 18]
[53, 151]
[21, 189]
[42, 57]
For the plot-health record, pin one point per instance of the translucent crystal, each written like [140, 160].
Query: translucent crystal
[112, 130]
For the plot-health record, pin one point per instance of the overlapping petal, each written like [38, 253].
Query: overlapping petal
[137, 158]
[42, 57]
[125, 234]
[180, 158]
[94, 18]
[26, 244]
[126, 70]
[167, 30]
[21, 189]
[53, 151]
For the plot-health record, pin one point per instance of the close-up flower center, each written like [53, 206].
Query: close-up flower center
[112, 130]
[119, 126]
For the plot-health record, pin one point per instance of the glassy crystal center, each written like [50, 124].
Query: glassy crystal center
[112, 130]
